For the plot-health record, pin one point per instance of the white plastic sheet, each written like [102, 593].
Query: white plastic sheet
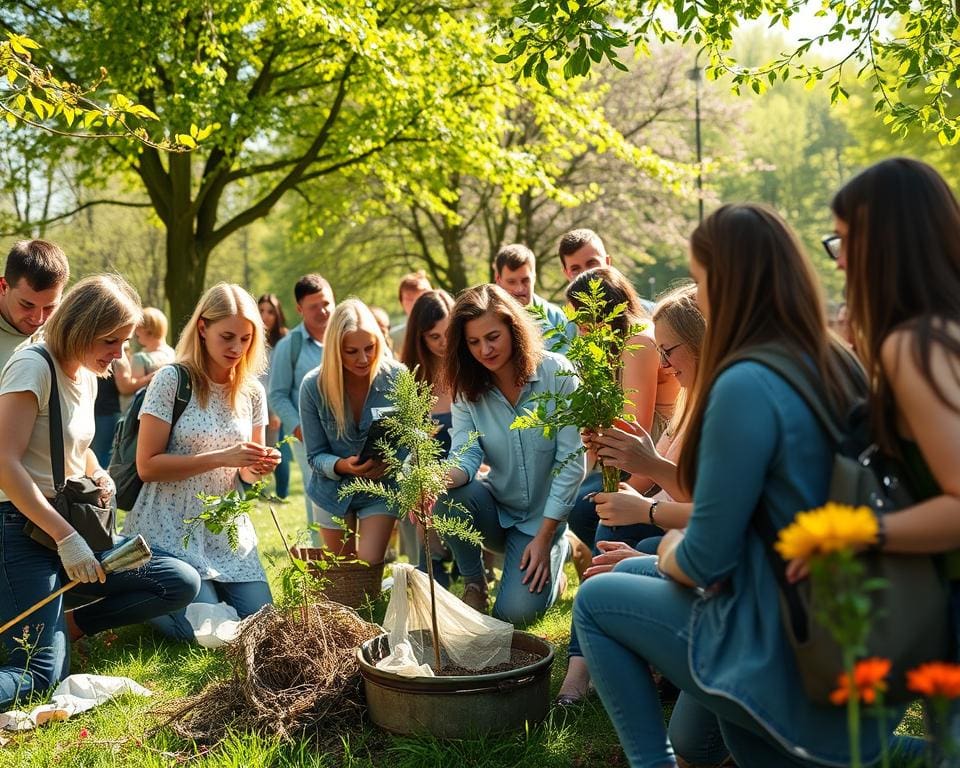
[469, 639]
[214, 624]
[77, 693]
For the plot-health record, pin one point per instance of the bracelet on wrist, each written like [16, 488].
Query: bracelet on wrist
[652, 511]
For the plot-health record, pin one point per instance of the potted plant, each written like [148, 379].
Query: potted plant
[596, 355]
[445, 705]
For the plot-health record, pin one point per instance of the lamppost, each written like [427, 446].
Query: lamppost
[696, 75]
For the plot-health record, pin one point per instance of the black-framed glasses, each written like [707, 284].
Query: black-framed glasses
[665, 353]
[831, 244]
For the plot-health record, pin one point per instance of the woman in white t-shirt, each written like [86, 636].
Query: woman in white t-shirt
[83, 337]
[217, 443]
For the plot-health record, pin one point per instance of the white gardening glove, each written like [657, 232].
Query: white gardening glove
[78, 560]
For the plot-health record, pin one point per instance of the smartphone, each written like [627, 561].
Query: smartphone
[376, 433]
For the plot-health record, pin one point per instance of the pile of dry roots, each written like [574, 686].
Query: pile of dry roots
[288, 676]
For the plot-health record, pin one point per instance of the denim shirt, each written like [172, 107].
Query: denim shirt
[283, 393]
[320, 438]
[759, 441]
[522, 461]
[555, 316]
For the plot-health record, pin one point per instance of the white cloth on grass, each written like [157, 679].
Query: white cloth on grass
[77, 693]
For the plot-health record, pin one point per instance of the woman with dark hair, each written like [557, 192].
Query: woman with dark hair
[275, 328]
[424, 347]
[712, 626]
[494, 364]
[898, 238]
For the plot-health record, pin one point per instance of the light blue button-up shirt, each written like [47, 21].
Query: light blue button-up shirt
[283, 394]
[522, 462]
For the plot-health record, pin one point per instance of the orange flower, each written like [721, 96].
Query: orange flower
[938, 678]
[868, 680]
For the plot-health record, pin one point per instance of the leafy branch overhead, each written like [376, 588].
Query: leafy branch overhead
[902, 49]
[31, 95]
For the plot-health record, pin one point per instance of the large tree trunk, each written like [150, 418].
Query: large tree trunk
[186, 269]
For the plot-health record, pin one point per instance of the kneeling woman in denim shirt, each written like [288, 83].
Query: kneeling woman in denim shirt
[723, 644]
[494, 364]
[336, 411]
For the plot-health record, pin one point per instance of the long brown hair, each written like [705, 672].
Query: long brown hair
[615, 289]
[427, 311]
[463, 373]
[279, 330]
[761, 288]
[903, 272]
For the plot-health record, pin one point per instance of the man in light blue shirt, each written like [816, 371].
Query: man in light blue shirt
[295, 355]
[515, 270]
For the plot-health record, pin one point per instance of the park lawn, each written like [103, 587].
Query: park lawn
[120, 733]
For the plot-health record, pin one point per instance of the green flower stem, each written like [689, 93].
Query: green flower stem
[853, 710]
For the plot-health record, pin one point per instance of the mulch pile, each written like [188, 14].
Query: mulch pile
[289, 675]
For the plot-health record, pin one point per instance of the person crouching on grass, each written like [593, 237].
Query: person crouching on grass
[83, 337]
[338, 401]
[217, 443]
[495, 363]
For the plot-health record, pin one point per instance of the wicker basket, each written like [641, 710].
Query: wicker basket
[351, 583]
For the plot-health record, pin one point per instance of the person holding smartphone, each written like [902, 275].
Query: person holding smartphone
[338, 402]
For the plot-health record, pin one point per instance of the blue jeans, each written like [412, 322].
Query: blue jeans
[29, 572]
[583, 518]
[630, 620]
[246, 597]
[102, 443]
[515, 602]
[281, 474]
[636, 536]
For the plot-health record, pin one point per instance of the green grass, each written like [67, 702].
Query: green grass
[121, 733]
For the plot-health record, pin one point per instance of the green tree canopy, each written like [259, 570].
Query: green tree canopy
[898, 45]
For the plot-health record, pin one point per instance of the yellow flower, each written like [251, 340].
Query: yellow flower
[830, 528]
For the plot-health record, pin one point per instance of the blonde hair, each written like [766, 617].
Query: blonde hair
[93, 309]
[680, 311]
[349, 316]
[221, 301]
[154, 322]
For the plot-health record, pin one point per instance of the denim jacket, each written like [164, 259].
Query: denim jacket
[283, 390]
[759, 441]
[320, 438]
[522, 461]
